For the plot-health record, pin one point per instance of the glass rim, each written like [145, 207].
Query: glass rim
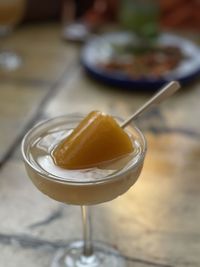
[53, 177]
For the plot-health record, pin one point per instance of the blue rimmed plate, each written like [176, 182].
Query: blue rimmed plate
[99, 50]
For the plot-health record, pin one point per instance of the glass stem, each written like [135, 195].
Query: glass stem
[87, 231]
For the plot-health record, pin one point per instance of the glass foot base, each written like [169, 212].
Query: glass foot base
[72, 256]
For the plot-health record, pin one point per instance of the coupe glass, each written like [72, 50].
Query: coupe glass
[11, 12]
[85, 252]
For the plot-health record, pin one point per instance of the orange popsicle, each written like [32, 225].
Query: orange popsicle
[97, 139]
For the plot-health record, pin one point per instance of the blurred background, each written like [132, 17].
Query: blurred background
[79, 20]
[173, 14]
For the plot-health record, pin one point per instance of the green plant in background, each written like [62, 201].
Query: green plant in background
[140, 17]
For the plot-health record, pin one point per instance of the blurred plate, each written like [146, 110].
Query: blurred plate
[100, 49]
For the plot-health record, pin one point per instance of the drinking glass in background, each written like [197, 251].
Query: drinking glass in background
[11, 12]
[140, 17]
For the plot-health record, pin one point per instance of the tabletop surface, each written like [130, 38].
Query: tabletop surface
[156, 223]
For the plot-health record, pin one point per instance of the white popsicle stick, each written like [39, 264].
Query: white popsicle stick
[160, 96]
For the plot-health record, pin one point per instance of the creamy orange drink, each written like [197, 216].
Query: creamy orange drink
[84, 161]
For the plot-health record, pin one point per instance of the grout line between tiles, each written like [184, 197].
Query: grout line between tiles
[41, 106]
